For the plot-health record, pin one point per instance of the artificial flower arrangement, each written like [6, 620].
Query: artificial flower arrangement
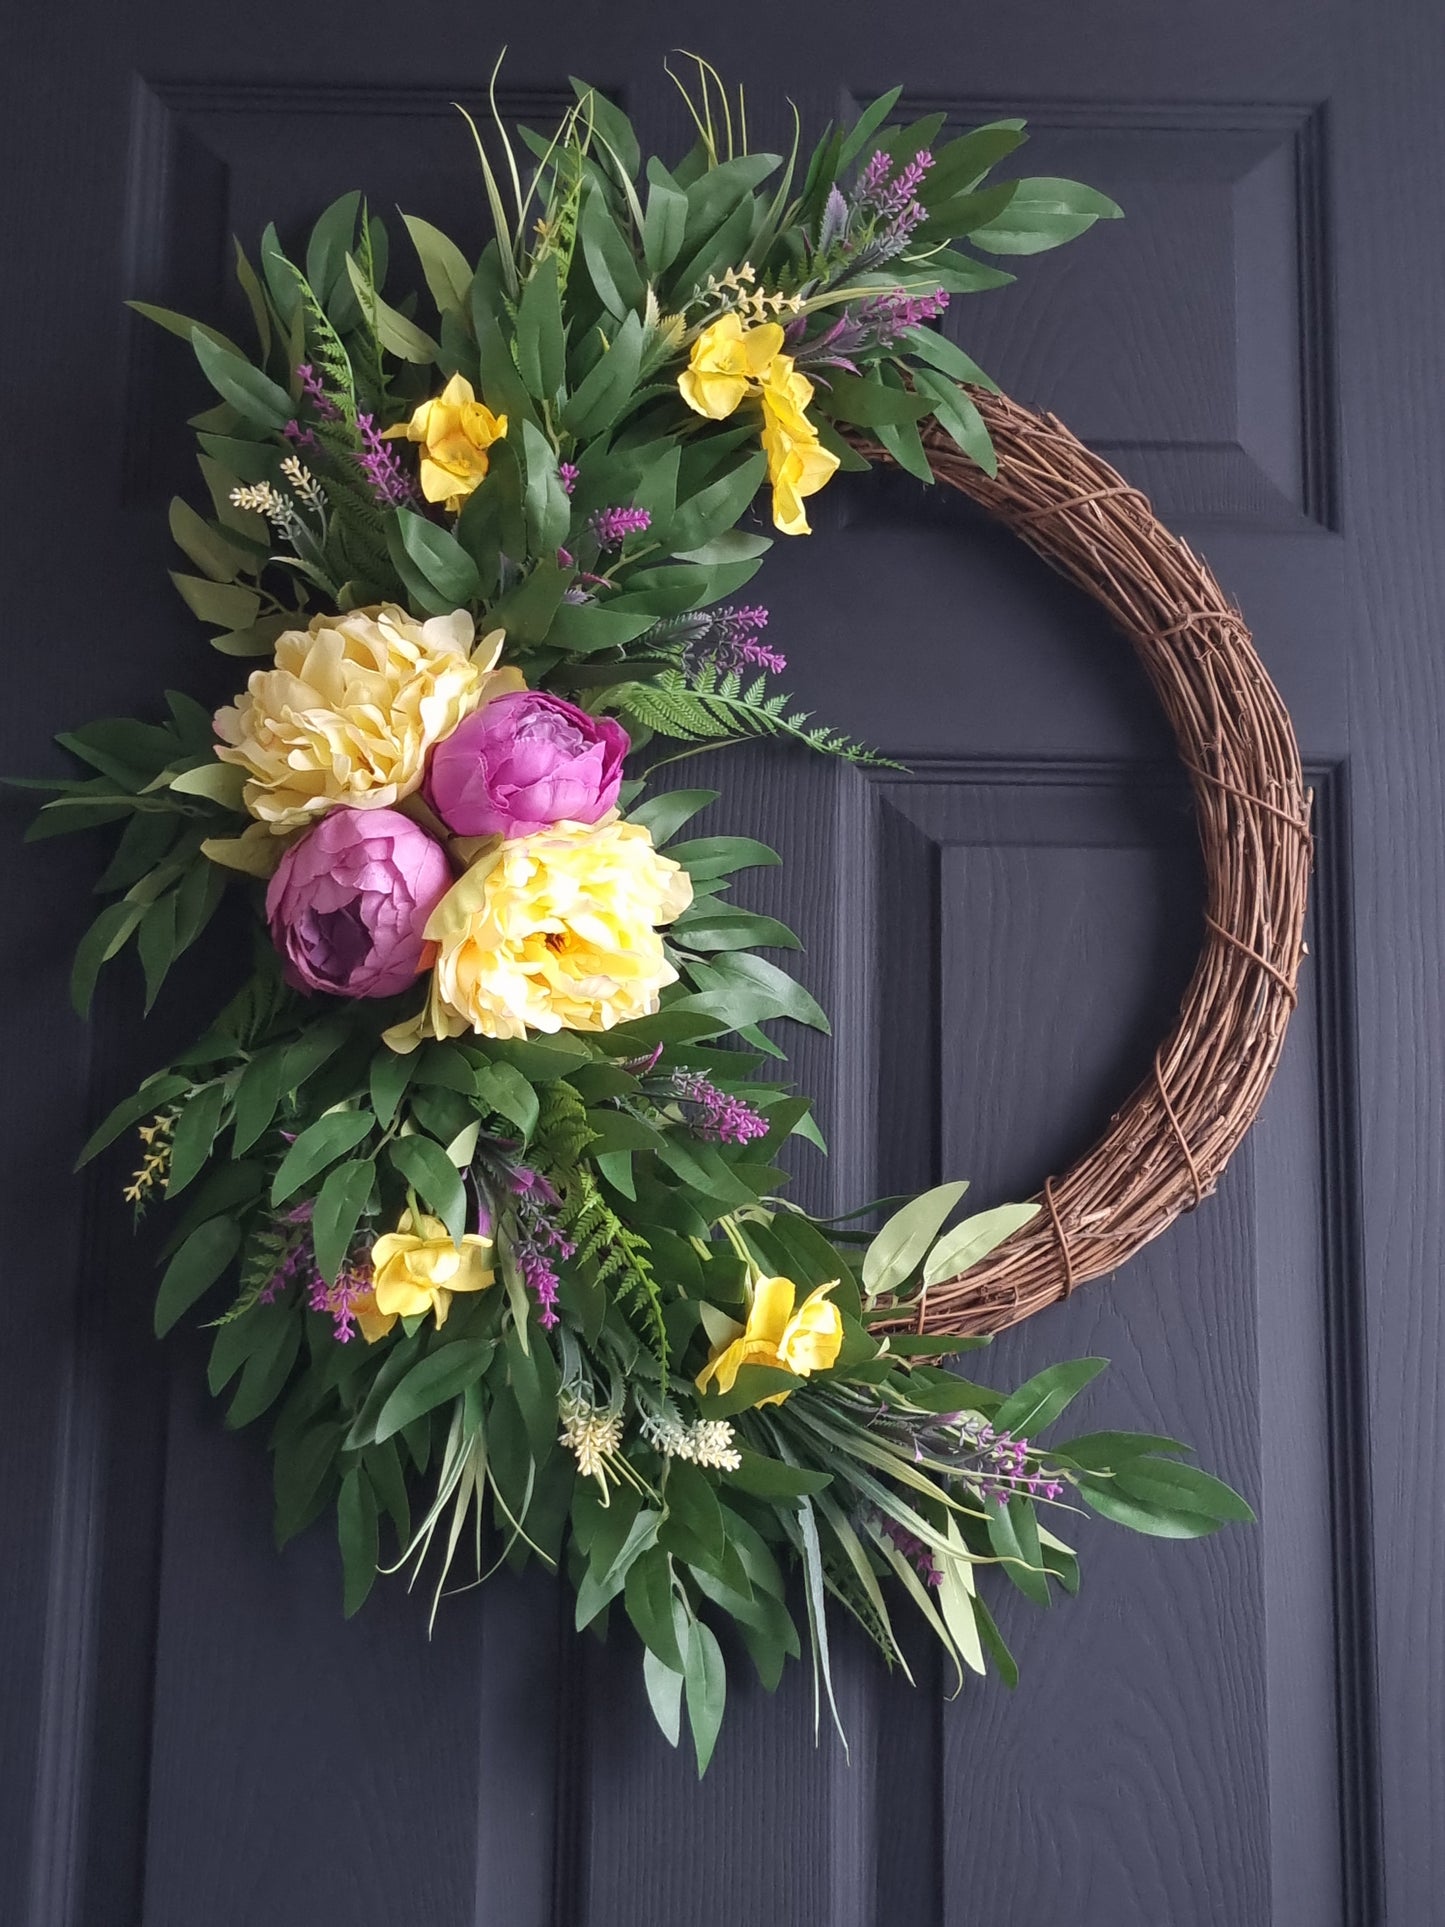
[476, 1169]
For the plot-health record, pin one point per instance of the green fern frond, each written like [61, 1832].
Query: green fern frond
[609, 1252]
[711, 709]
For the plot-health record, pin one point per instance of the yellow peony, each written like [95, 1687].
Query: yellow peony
[416, 1269]
[727, 359]
[456, 430]
[800, 1341]
[351, 708]
[798, 464]
[552, 932]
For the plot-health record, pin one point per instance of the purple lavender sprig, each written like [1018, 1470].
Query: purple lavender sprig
[727, 640]
[312, 389]
[568, 475]
[611, 527]
[390, 485]
[863, 327]
[714, 1115]
[918, 1555]
[540, 1243]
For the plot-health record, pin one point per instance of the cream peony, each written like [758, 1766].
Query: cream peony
[552, 932]
[351, 708]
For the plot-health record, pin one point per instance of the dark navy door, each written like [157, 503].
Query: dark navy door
[1243, 1732]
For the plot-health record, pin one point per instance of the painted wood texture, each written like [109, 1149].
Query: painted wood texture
[1243, 1731]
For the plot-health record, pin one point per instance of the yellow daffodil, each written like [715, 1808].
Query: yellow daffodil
[800, 1340]
[456, 430]
[727, 360]
[416, 1269]
[555, 931]
[798, 464]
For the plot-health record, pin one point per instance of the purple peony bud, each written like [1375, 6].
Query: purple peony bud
[349, 904]
[524, 762]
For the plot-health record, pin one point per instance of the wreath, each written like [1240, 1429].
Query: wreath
[476, 1171]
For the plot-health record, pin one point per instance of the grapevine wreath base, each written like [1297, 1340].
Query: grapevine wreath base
[1165, 1150]
[478, 1170]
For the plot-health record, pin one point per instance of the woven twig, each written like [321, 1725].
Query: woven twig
[1164, 1151]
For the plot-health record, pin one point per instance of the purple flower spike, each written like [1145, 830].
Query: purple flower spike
[716, 1117]
[390, 484]
[317, 396]
[567, 475]
[611, 527]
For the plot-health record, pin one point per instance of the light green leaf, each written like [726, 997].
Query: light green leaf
[973, 1239]
[424, 1164]
[226, 604]
[440, 1376]
[447, 270]
[899, 1247]
[1042, 214]
[705, 1683]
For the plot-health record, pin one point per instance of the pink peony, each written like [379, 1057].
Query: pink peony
[349, 904]
[524, 762]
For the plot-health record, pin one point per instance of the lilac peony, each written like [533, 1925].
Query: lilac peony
[349, 904]
[524, 762]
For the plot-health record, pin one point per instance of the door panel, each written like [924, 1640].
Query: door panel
[1000, 934]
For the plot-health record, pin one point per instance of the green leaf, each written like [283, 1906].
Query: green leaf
[1181, 1488]
[961, 164]
[391, 1072]
[772, 1479]
[1104, 1451]
[221, 560]
[339, 1205]
[664, 1696]
[439, 1377]
[397, 335]
[320, 1144]
[1042, 1398]
[663, 815]
[899, 1247]
[614, 273]
[647, 1595]
[872, 404]
[226, 604]
[866, 125]
[357, 1534]
[581, 628]
[105, 938]
[447, 270]
[1013, 1534]
[541, 346]
[193, 1136]
[257, 1095]
[707, 857]
[973, 1239]
[249, 392]
[194, 1269]
[733, 545]
[156, 944]
[1141, 1516]
[184, 327]
[705, 1685]
[152, 1096]
[527, 611]
[957, 413]
[441, 559]
[610, 122]
[714, 509]
[1042, 214]
[603, 394]
[769, 991]
[424, 1164]
[665, 221]
[549, 512]
[927, 344]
